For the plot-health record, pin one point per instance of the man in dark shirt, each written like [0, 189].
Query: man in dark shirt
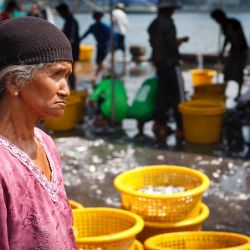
[234, 35]
[165, 57]
[71, 30]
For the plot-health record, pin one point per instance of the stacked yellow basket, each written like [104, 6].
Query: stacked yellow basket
[82, 94]
[75, 205]
[203, 115]
[198, 241]
[164, 212]
[202, 76]
[210, 92]
[86, 52]
[202, 120]
[106, 229]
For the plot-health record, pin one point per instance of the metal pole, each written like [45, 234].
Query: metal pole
[112, 63]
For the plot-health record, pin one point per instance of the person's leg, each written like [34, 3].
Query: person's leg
[99, 69]
[162, 103]
[234, 69]
[123, 49]
[240, 64]
[100, 119]
[100, 56]
[178, 94]
[161, 100]
[72, 78]
[140, 126]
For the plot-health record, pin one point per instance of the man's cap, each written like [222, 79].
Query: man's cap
[120, 5]
[62, 6]
[164, 4]
[97, 14]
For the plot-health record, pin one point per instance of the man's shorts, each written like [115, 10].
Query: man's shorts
[234, 66]
[120, 42]
[102, 52]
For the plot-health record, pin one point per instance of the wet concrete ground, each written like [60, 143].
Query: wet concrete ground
[91, 158]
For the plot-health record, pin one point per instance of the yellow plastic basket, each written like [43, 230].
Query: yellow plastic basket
[202, 120]
[105, 228]
[69, 119]
[83, 69]
[162, 207]
[191, 224]
[75, 205]
[136, 246]
[81, 105]
[198, 240]
[209, 92]
[202, 76]
[86, 53]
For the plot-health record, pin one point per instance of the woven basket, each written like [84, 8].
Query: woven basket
[162, 207]
[106, 228]
[198, 241]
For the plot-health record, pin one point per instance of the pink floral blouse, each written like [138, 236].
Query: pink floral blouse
[34, 212]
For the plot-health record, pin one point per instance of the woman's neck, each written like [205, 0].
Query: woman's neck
[17, 127]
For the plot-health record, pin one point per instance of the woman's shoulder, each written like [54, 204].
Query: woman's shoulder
[47, 141]
[43, 135]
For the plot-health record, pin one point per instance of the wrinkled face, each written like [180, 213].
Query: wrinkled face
[45, 95]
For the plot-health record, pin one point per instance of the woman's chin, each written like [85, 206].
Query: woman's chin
[55, 115]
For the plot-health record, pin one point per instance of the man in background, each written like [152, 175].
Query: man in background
[39, 9]
[165, 57]
[101, 32]
[71, 30]
[120, 24]
[237, 57]
[10, 7]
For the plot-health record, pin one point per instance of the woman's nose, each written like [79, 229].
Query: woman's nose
[64, 88]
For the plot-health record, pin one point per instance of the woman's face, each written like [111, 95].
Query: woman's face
[45, 95]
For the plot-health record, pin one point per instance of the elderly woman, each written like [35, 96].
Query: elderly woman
[35, 62]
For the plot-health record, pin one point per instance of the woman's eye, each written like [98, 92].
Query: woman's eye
[57, 73]
[61, 73]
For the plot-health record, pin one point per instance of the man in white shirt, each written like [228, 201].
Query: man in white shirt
[120, 23]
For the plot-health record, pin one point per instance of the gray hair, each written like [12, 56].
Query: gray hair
[19, 75]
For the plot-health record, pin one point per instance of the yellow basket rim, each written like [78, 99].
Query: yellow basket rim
[87, 46]
[211, 72]
[138, 245]
[114, 237]
[211, 85]
[148, 243]
[217, 107]
[203, 187]
[75, 204]
[204, 213]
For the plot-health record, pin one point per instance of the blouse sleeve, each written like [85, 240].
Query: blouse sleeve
[4, 242]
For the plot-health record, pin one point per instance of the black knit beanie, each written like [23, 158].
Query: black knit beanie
[32, 40]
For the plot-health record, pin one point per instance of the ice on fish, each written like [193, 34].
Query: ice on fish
[161, 189]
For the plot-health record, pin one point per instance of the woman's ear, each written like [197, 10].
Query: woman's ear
[12, 89]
